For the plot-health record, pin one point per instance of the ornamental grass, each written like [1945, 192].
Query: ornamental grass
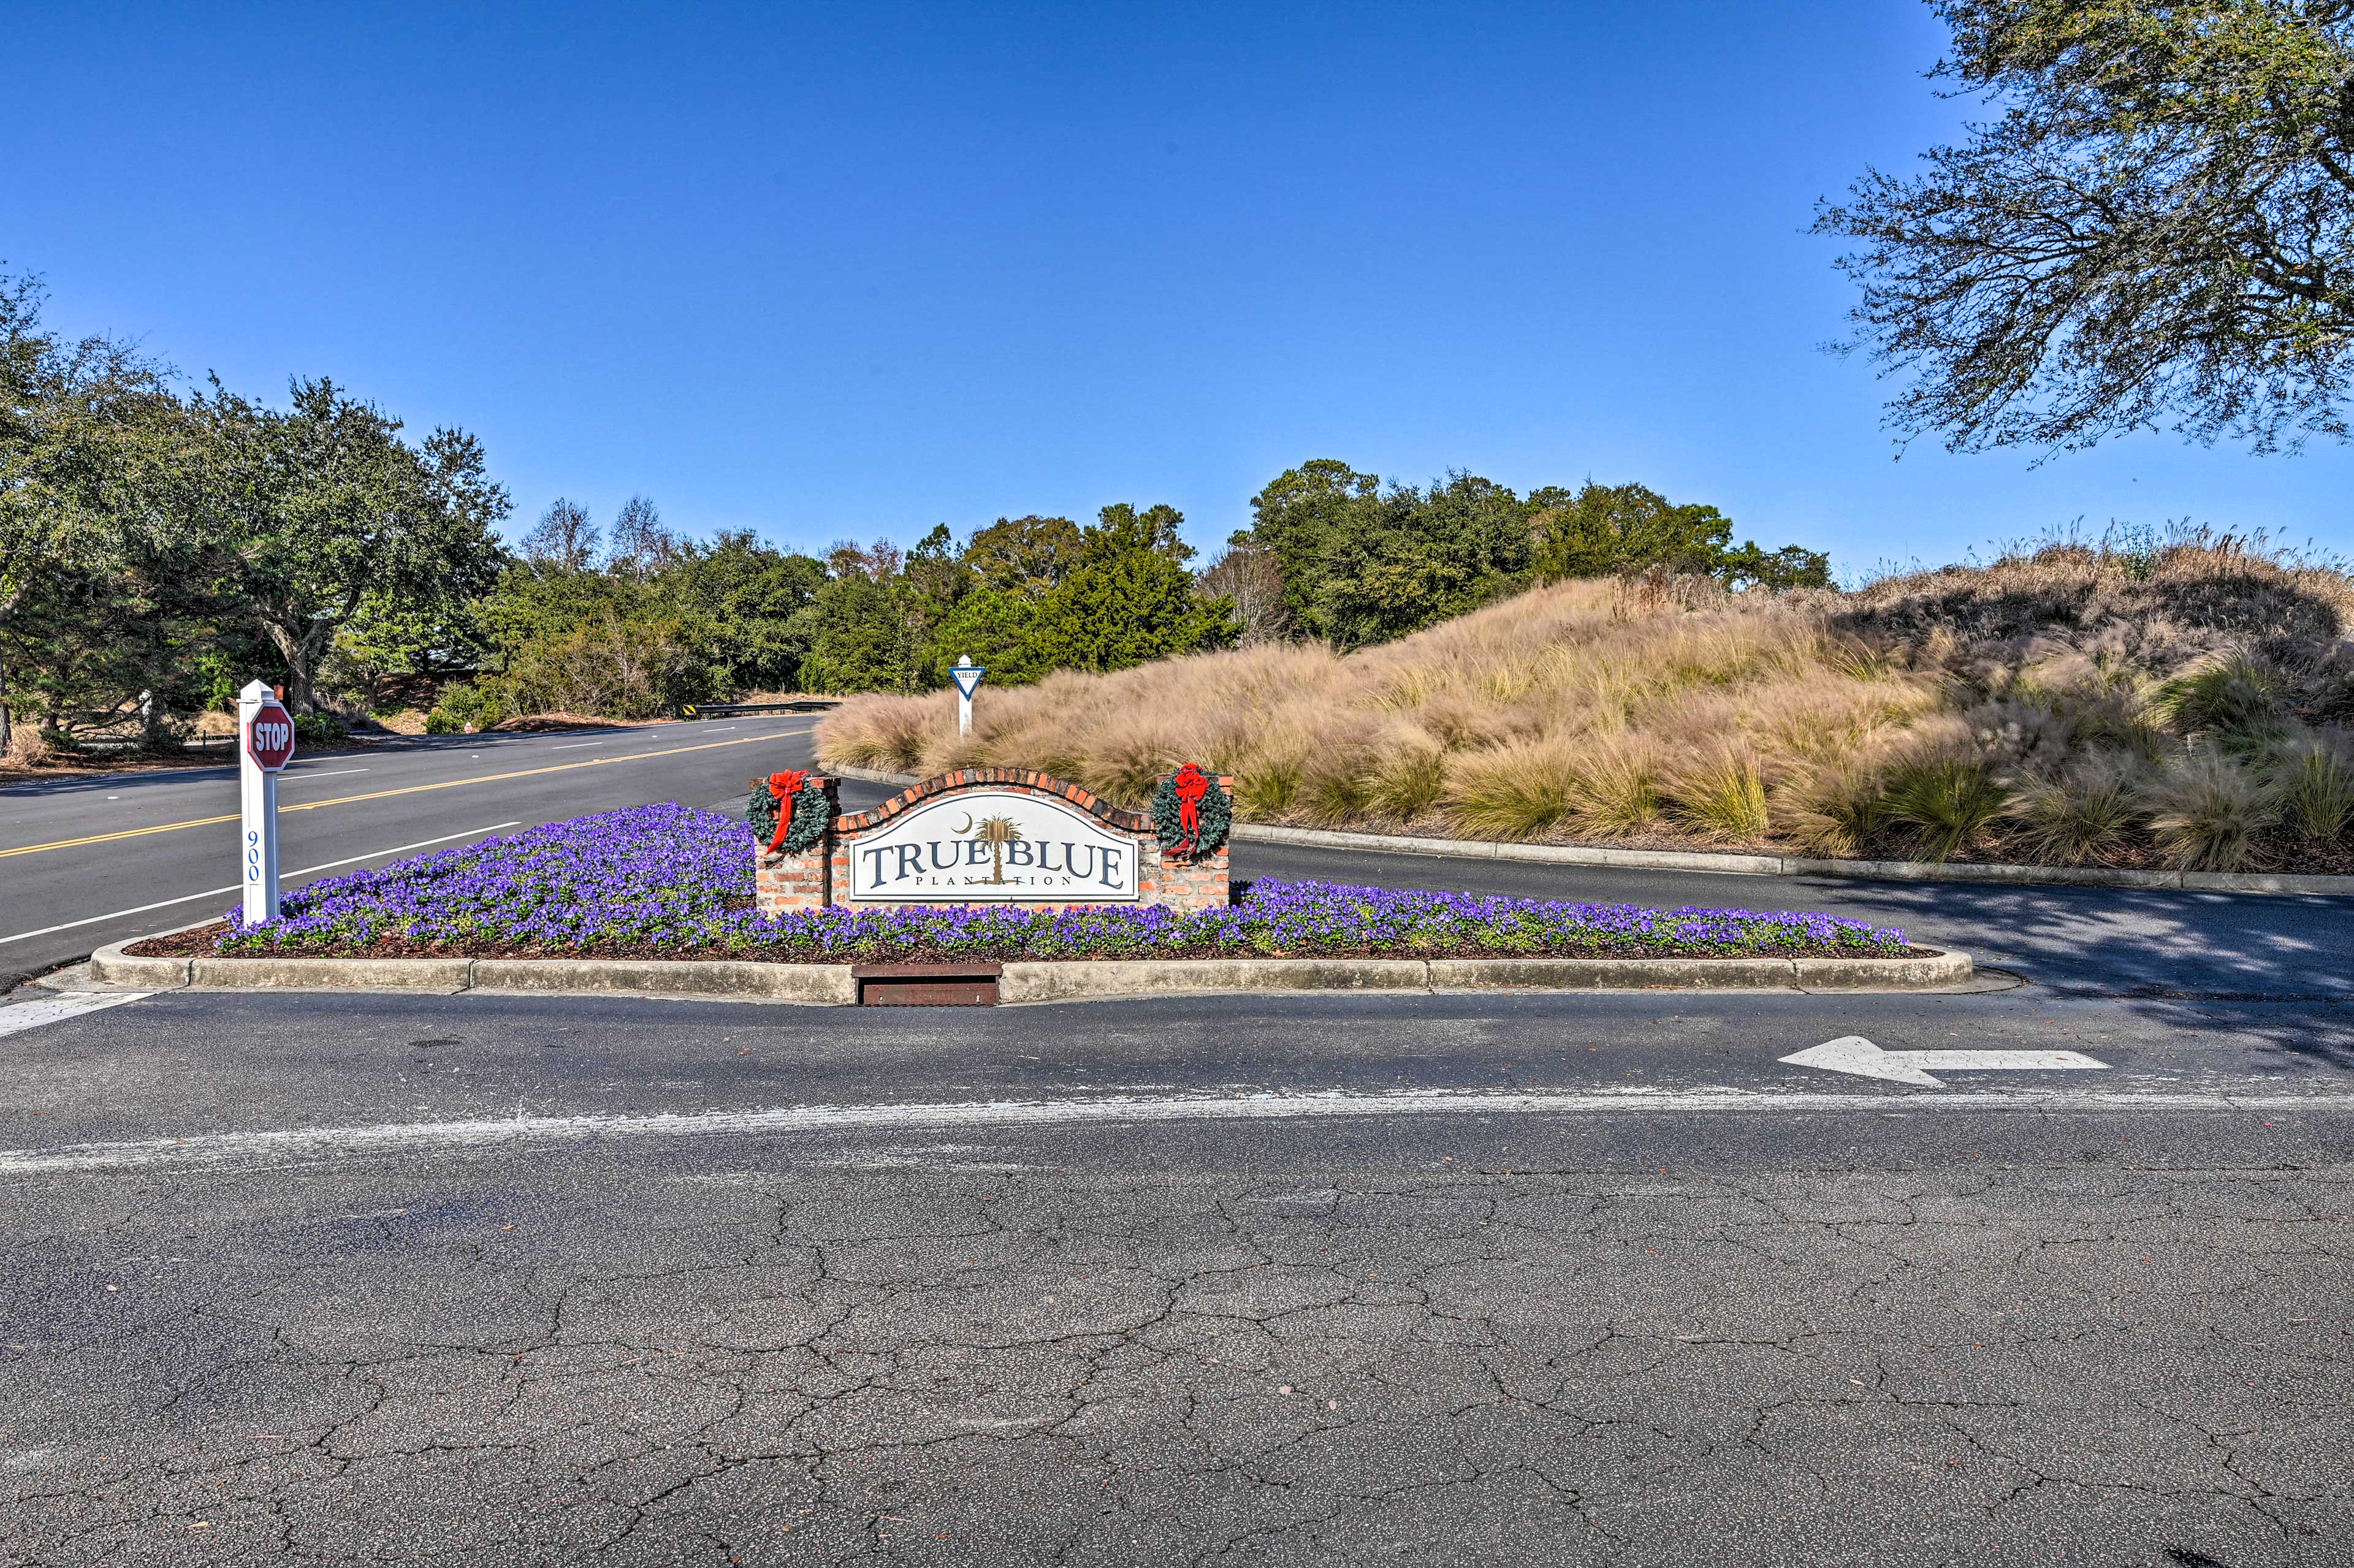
[668, 881]
[2176, 699]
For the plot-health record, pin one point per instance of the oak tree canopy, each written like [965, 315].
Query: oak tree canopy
[2152, 230]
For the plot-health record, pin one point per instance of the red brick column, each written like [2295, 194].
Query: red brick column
[803, 880]
[1200, 884]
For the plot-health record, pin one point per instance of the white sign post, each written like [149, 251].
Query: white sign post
[967, 676]
[265, 744]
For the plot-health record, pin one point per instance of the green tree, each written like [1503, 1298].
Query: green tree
[1605, 528]
[84, 427]
[998, 629]
[1129, 599]
[937, 574]
[1395, 562]
[304, 514]
[1609, 528]
[1025, 555]
[865, 636]
[1296, 518]
[2158, 226]
[397, 651]
[750, 599]
[1776, 571]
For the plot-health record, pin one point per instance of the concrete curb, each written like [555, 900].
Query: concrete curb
[824, 984]
[443, 975]
[1079, 980]
[1083, 980]
[1762, 864]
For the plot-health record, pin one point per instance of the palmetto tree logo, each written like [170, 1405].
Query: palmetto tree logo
[997, 832]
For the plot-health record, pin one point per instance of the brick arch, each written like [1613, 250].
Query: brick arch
[915, 795]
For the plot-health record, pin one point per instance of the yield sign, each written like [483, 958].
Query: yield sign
[967, 677]
[1854, 1053]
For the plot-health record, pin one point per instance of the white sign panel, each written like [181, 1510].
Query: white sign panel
[985, 846]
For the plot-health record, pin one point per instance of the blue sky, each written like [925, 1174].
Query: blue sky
[856, 269]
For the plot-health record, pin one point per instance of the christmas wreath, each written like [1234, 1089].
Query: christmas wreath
[812, 810]
[1191, 813]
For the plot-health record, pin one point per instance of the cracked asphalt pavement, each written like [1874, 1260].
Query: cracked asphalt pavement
[1266, 1280]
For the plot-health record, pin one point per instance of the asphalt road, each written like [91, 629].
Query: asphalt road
[90, 861]
[1434, 1279]
[87, 861]
[1315, 1279]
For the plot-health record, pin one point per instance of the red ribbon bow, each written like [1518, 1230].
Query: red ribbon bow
[1192, 784]
[782, 787]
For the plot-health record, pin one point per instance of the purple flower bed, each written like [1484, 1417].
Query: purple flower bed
[665, 880]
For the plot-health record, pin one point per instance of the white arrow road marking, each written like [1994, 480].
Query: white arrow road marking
[1854, 1053]
[26, 1015]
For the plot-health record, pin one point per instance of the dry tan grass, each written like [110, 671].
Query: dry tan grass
[1670, 710]
[27, 747]
[1606, 707]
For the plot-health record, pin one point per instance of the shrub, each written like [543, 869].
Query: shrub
[1616, 791]
[1950, 803]
[1512, 792]
[1722, 800]
[1839, 809]
[1408, 780]
[1339, 792]
[321, 729]
[481, 704]
[882, 733]
[2314, 782]
[2086, 815]
[28, 747]
[619, 667]
[2208, 809]
[1268, 789]
[2237, 700]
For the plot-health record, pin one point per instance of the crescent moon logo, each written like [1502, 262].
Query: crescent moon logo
[966, 826]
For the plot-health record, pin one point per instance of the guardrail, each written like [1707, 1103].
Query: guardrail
[729, 710]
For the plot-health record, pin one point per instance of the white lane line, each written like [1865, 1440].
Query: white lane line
[575, 745]
[222, 892]
[313, 1143]
[1854, 1054]
[338, 773]
[24, 1016]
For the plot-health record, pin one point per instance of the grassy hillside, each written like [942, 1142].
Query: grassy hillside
[2177, 706]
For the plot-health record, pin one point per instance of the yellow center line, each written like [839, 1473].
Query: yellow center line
[411, 790]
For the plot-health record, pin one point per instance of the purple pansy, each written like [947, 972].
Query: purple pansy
[665, 878]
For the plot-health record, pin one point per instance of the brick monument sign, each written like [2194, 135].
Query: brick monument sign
[993, 835]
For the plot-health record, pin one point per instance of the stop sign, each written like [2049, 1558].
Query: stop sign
[270, 737]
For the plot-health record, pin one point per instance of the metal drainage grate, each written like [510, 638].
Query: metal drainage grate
[926, 985]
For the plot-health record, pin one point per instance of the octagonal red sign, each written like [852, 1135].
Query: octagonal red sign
[270, 737]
